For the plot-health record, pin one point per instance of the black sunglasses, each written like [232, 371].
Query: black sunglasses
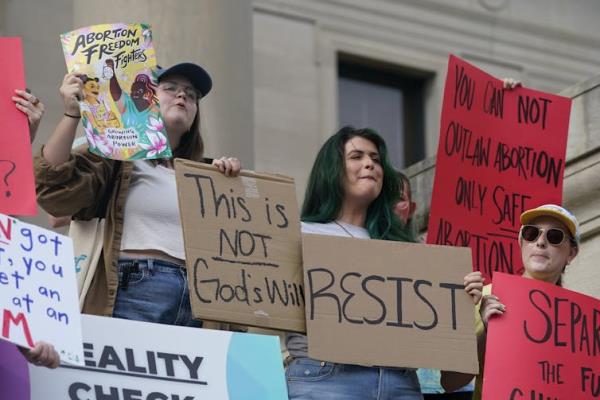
[554, 236]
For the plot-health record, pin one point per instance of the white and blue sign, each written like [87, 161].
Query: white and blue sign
[142, 361]
[38, 289]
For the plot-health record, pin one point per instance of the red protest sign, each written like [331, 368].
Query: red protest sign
[17, 188]
[500, 153]
[546, 345]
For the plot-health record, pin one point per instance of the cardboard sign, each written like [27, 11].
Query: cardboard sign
[375, 302]
[120, 110]
[38, 291]
[17, 188]
[136, 360]
[500, 153]
[545, 346]
[242, 246]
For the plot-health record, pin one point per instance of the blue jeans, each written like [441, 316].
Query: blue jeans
[309, 379]
[152, 290]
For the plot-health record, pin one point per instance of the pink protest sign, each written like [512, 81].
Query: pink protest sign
[545, 346]
[17, 188]
[500, 153]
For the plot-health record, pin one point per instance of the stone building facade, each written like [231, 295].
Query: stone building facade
[277, 67]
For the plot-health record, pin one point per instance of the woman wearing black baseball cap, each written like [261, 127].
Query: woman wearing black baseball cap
[141, 273]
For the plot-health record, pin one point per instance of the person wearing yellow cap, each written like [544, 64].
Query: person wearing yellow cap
[549, 240]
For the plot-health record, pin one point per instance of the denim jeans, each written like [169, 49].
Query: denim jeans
[310, 379]
[152, 290]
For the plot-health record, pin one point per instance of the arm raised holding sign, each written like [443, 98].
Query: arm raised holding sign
[141, 274]
[31, 106]
[42, 354]
[450, 380]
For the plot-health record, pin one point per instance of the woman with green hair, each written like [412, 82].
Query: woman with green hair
[353, 182]
[351, 192]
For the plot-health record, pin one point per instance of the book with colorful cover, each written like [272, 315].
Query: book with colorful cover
[120, 109]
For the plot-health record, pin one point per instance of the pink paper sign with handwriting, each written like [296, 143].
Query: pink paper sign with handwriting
[500, 152]
[17, 188]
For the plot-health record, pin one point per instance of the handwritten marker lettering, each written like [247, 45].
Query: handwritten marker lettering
[500, 152]
[243, 247]
[38, 291]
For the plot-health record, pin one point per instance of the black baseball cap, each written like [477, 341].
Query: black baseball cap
[197, 75]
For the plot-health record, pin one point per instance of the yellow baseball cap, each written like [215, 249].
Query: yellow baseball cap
[554, 211]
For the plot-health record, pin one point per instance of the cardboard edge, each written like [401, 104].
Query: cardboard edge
[182, 162]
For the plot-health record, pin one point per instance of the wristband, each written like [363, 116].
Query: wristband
[72, 116]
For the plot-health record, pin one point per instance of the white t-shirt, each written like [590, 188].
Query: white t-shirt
[151, 217]
[337, 228]
[297, 344]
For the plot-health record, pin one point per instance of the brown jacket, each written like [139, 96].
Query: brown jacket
[88, 186]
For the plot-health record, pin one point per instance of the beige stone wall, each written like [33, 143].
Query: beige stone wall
[287, 112]
[581, 190]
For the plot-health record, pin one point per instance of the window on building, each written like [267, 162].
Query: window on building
[388, 98]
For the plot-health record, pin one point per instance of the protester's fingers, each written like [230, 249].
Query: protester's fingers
[22, 93]
[72, 81]
[55, 361]
[72, 78]
[236, 166]
[33, 355]
[219, 164]
[71, 91]
[490, 311]
[28, 107]
[50, 357]
[475, 291]
[23, 107]
[510, 83]
[44, 354]
[473, 286]
[495, 306]
[473, 283]
[26, 95]
[39, 110]
[232, 166]
[489, 298]
[475, 296]
[475, 276]
[229, 166]
[27, 102]
[488, 301]
[490, 305]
